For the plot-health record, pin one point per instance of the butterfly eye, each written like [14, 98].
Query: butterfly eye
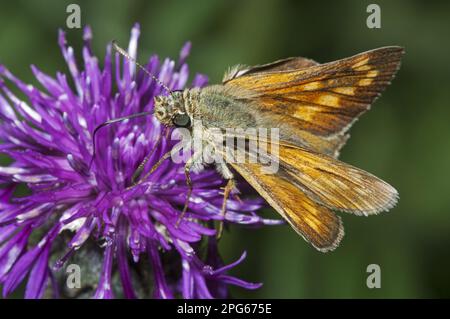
[181, 120]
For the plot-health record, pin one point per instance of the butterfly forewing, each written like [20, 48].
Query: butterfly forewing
[335, 184]
[315, 223]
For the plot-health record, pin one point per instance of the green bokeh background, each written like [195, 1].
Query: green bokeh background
[404, 139]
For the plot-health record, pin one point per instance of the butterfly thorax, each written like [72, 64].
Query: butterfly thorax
[217, 107]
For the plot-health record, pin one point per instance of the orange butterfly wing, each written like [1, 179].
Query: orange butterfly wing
[317, 224]
[322, 99]
[335, 184]
[309, 185]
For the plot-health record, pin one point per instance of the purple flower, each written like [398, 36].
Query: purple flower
[69, 204]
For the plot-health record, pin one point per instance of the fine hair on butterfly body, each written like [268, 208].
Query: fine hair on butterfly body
[313, 105]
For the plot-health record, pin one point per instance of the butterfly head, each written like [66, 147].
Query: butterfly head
[170, 110]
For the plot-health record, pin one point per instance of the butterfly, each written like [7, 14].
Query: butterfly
[313, 106]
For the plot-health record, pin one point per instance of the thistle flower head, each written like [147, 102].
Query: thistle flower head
[69, 203]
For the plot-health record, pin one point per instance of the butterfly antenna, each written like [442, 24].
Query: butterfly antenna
[126, 55]
[94, 134]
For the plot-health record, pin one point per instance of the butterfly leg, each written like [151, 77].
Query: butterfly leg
[231, 184]
[141, 166]
[155, 166]
[187, 169]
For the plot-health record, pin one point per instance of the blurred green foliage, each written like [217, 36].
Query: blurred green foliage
[404, 139]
